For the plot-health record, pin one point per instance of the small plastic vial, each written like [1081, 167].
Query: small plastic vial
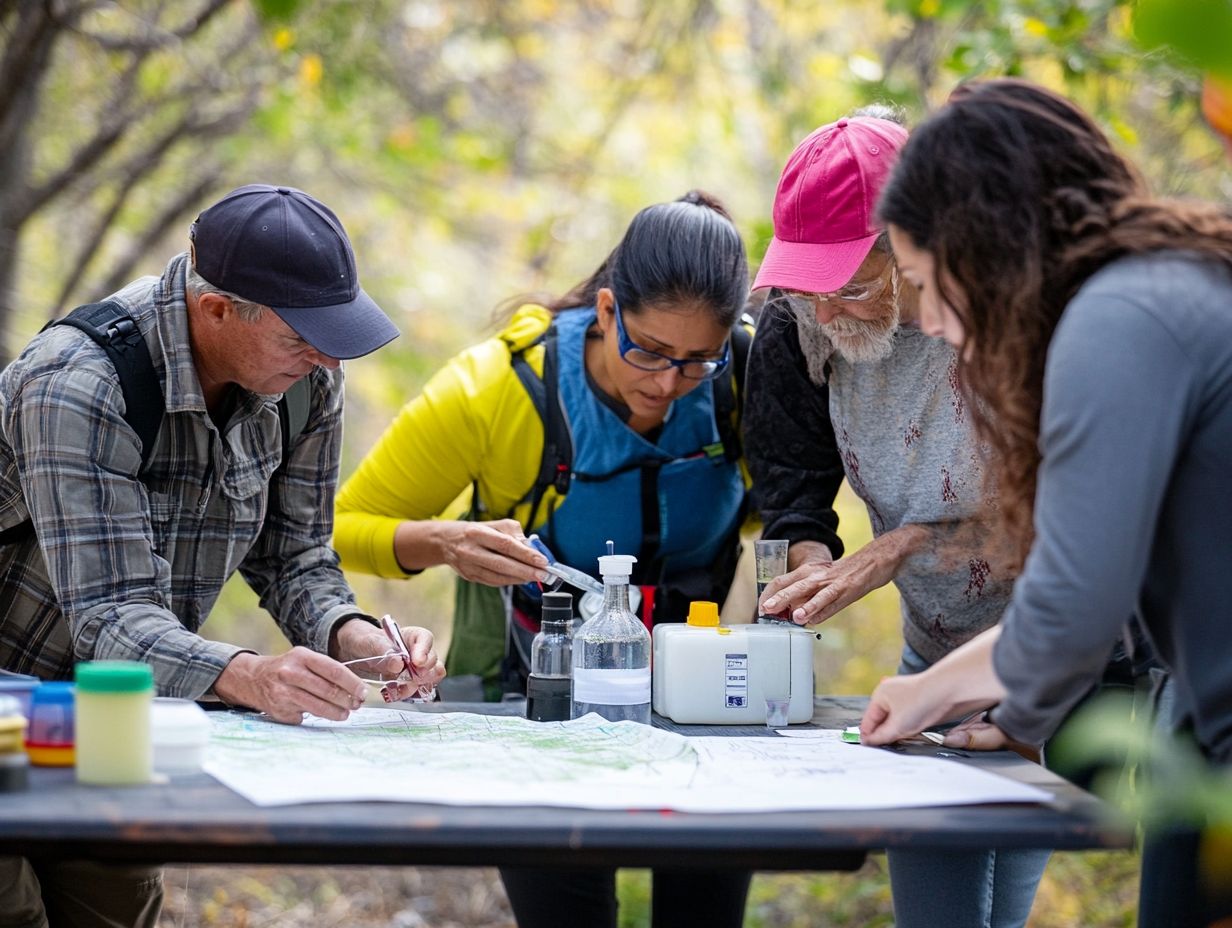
[113, 723]
[49, 735]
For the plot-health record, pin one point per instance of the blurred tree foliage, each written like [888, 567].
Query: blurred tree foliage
[506, 128]
[108, 113]
[480, 149]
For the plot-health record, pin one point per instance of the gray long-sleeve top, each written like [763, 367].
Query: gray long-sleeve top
[1134, 501]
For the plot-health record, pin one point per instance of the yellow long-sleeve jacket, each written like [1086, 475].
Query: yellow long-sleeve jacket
[473, 424]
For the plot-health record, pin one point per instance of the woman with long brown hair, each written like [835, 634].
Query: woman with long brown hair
[1094, 325]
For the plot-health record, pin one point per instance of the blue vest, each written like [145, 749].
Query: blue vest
[621, 483]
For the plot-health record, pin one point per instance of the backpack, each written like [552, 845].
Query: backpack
[556, 471]
[555, 465]
[111, 327]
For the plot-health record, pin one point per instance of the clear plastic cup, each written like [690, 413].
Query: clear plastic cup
[777, 709]
[770, 561]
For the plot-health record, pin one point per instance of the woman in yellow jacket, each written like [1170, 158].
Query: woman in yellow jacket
[629, 377]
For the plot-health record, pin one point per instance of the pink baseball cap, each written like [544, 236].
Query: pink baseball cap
[825, 206]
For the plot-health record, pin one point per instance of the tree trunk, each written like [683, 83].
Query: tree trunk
[24, 61]
[8, 275]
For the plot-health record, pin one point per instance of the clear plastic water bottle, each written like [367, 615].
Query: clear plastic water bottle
[548, 695]
[611, 652]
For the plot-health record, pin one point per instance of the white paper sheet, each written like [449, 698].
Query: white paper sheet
[465, 759]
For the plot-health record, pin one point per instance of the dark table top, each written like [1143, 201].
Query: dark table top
[194, 819]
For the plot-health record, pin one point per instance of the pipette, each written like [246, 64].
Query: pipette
[571, 575]
[578, 578]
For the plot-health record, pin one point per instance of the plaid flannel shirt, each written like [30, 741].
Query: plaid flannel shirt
[128, 566]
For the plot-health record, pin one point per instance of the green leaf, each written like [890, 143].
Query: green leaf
[1198, 31]
[276, 10]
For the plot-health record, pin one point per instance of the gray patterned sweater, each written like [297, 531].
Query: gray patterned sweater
[898, 430]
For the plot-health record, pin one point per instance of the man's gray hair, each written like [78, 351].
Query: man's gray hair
[890, 112]
[247, 310]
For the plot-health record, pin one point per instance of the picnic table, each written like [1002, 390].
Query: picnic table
[194, 819]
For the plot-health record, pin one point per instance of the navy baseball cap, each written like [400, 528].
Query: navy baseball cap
[282, 248]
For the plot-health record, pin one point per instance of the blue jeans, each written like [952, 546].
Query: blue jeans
[962, 889]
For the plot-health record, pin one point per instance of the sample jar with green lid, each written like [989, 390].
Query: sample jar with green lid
[113, 722]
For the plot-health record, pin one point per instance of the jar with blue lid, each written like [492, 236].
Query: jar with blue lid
[50, 735]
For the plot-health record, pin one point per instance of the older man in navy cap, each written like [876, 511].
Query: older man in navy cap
[133, 489]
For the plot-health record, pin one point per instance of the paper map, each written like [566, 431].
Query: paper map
[466, 759]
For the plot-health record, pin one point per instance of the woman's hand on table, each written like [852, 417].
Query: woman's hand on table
[901, 707]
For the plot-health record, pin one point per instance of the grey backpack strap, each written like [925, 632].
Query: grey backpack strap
[293, 412]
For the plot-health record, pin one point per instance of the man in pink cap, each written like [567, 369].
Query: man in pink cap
[842, 384]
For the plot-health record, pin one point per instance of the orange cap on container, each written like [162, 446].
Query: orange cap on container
[704, 614]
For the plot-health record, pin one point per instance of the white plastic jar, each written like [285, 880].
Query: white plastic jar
[180, 731]
[113, 722]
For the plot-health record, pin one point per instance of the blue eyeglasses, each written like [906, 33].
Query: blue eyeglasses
[647, 360]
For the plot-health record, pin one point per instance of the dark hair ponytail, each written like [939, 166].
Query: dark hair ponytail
[686, 251]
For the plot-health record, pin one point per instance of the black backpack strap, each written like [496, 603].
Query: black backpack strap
[111, 327]
[555, 465]
[729, 392]
[742, 344]
[15, 533]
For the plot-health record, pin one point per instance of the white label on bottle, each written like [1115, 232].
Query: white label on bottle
[612, 687]
[736, 681]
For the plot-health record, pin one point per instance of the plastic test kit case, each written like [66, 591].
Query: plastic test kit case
[711, 674]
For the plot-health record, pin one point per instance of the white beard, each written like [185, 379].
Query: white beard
[856, 340]
[859, 341]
